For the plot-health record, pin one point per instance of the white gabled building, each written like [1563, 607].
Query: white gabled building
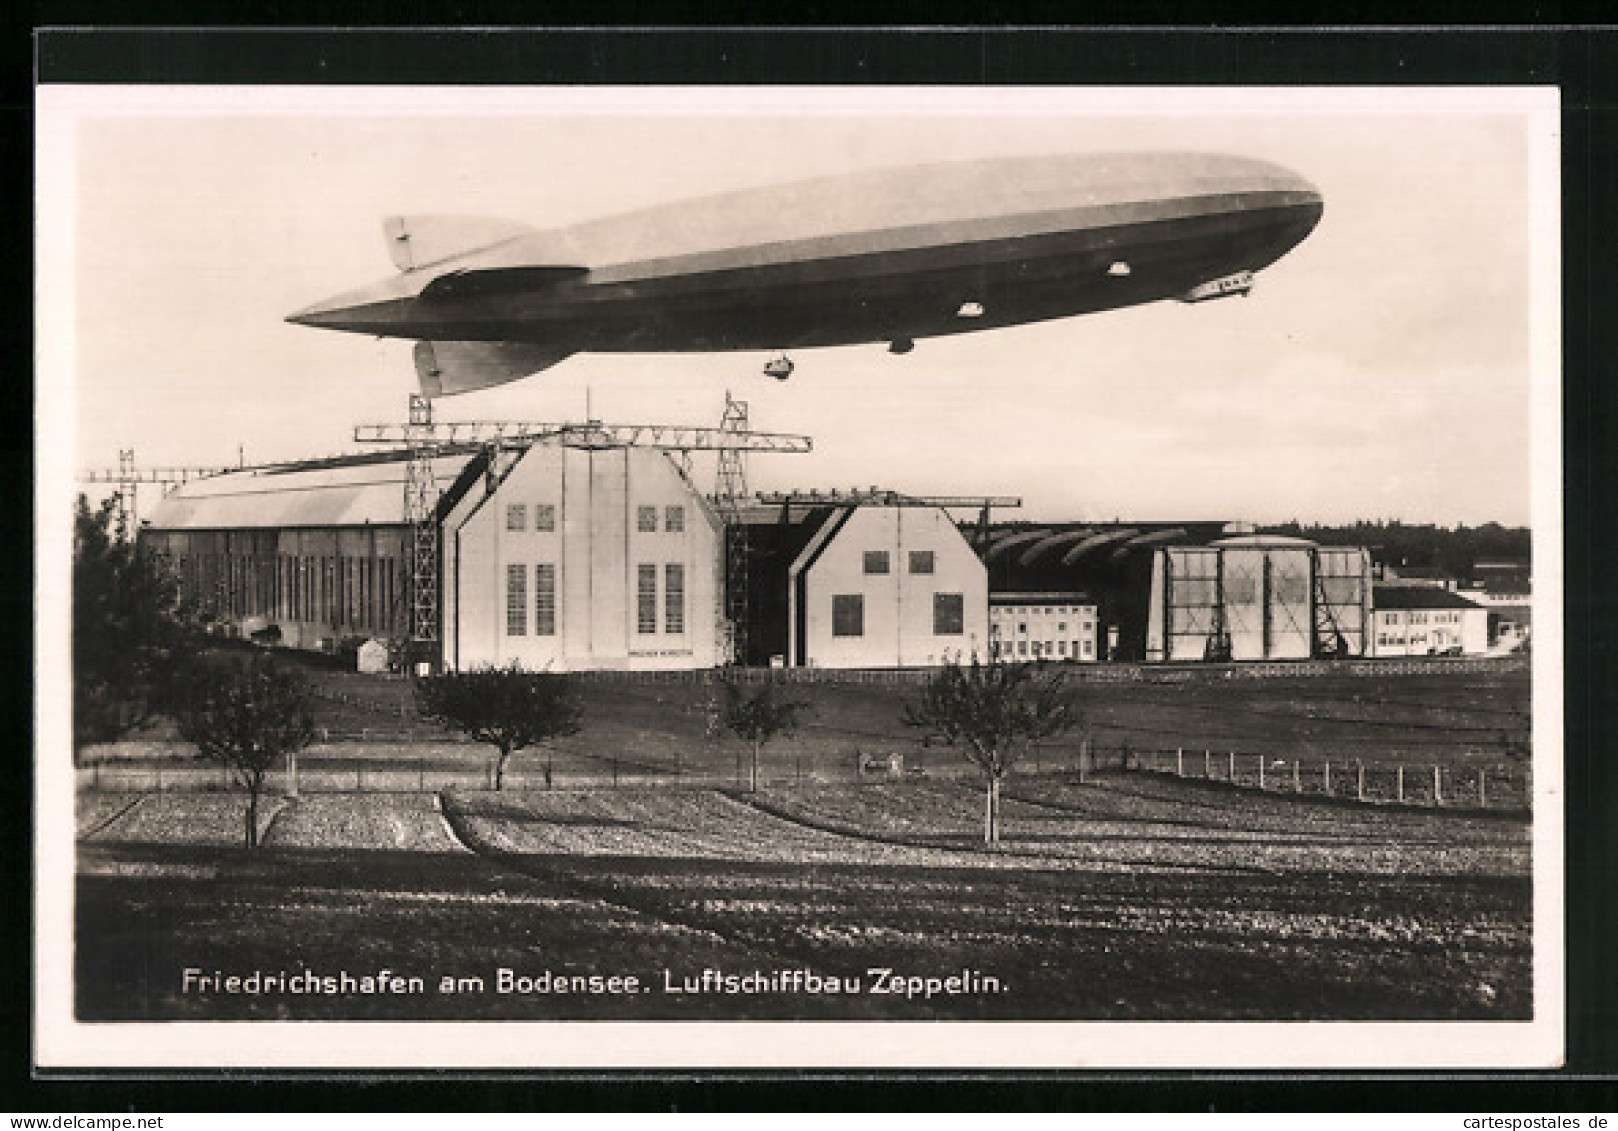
[575, 558]
[863, 586]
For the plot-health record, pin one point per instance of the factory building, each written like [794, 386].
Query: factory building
[862, 585]
[1042, 626]
[552, 556]
[1420, 620]
[1194, 591]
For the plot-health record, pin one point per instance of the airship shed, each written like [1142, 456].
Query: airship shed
[568, 556]
[549, 555]
[1195, 591]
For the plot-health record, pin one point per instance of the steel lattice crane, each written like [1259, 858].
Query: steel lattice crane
[126, 478]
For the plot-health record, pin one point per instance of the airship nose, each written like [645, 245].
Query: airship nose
[321, 314]
[354, 310]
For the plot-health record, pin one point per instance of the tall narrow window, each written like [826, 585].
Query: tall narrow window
[545, 517]
[674, 519]
[949, 614]
[848, 614]
[674, 598]
[646, 520]
[516, 516]
[646, 599]
[544, 599]
[921, 561]
[516, 600]
[876, 561]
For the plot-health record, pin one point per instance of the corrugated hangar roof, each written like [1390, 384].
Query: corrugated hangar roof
[336, 492]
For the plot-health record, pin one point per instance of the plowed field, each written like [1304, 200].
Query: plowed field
[1129, 897]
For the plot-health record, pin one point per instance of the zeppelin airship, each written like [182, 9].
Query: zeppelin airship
[888, 256]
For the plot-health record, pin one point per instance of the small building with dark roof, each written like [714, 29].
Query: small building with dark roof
[1042, 626]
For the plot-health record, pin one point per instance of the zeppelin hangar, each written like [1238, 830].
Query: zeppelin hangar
[600, 555]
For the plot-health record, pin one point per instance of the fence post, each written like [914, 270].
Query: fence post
[1483, 789]
[1438, 786]
[1359, 793]
[1261, 771]
[1231, 776]
[1207, 764]
[1399, 786]
[1179, 762]
[1297, 776]
[1327, 777]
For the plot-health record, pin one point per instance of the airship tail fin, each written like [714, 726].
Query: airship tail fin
[420, 241]
[448, 368]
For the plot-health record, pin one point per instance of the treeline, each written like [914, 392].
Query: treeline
[1455, 550]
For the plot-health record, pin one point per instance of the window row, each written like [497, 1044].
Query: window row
[920, 561]
[332, 589]
[1022, 627]
[848, 614]
[673, 519]
[544, 517]
[1081, 649]
[1049, 610]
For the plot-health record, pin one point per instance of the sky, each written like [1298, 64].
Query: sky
[1392, 366]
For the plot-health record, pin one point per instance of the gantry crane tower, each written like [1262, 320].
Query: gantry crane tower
[128, 477]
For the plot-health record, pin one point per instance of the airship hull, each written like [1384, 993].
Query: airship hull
[810, 265]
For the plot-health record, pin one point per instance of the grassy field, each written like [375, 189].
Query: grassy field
[1126, 897]
[1135, 896]
[645, 731]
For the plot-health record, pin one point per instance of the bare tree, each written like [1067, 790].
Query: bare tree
[992, 712]
[247, 714]
[757, 716]
[508, 708]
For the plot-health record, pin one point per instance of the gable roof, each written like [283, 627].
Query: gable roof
[1417, 597]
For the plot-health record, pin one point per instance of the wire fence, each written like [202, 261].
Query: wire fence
[1434, 784]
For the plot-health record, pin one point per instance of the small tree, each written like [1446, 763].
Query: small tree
[992, 712]
[508, 708]
[247, 714]
[128, 640]
[756, 716]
